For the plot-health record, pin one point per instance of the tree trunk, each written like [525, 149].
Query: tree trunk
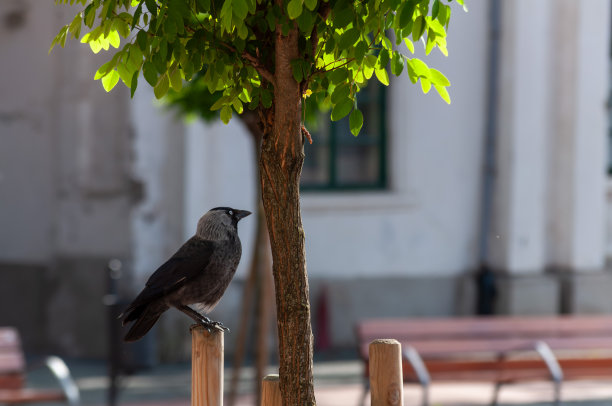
[281, 161]
[259, 284]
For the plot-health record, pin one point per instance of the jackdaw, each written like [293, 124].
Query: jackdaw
[197, 274]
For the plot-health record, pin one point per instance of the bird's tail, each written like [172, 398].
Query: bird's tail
[145, 316]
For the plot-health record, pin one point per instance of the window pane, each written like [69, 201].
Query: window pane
[316, 165]
[339, 160]
[358, 166]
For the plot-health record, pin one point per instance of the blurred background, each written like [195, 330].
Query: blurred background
[500, 203]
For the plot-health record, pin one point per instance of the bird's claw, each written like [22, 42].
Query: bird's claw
[211, 324]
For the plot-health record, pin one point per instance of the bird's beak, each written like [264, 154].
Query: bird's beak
[240, 214]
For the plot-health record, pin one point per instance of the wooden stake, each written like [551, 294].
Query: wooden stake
[386, 381]
[270, 391]
[206, 366]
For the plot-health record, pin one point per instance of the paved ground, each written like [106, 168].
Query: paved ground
[338, 383]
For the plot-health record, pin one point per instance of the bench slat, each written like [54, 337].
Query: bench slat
[487, 327]
[30, 395]
[469, 348]
[464, 347]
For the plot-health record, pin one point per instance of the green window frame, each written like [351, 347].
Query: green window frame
[338, 161]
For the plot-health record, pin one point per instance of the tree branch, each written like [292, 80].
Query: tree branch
[259, 67]
[254, 62]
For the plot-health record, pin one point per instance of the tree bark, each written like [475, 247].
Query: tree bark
[282, 156]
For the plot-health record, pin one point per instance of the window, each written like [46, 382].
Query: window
[337, 160]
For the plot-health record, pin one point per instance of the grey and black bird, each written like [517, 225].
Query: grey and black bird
[197, 274]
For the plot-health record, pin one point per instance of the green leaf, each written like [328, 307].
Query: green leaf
[425, 85]
[383, 59]
[113, 39]
[162, 86]
[150, 73]
[341, 109]
[342, 17]
[443, 93]
[142, 40]
[96, 46]
[226, 114]
[340, 92]
[348, 38]
[237, 104]
[75, 26]
[443, 14]
[125, 73]
[136, 16]
[176, 81]
[382, 76]
[266, 98]
[134, 84]
[409, 45]
[338, 75]
[410, 70]
[271, 19]
[431, 42]
[151, 6]
[296, 67]
[240, 8]
[397, 63]
[438, 78]
[222, 101]
[103, 70]
[203, 5]
[170, 27]
[226, 16]
[109, 81]
[294, 8]
[90, 15]
[420, 68]
[418, 28]
[122, 27]
[310, 4]
[306, 21]
[435, 8]
[106, 9]
[135, 57]
[406, 14]
[355, 121]
[369, 62]
[360, 50]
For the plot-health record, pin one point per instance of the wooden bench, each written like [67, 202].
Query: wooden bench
[12, 375]
[496, 349]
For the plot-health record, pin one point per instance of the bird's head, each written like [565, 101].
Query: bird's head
[218, 222]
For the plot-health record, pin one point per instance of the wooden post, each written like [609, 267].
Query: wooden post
[270, 391]
[386, 381]
[206, 366]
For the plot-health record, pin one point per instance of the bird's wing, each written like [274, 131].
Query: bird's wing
[189, 261]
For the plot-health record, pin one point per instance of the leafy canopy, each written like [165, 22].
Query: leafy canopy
[229, 44]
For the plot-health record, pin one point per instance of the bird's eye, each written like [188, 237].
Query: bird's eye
[230, 212]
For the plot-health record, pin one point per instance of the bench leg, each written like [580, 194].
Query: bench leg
[425, 394]
[366, 390]
[420, 369]
[557, 394]
[496, 390]
[59, 368]
[556, 373]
